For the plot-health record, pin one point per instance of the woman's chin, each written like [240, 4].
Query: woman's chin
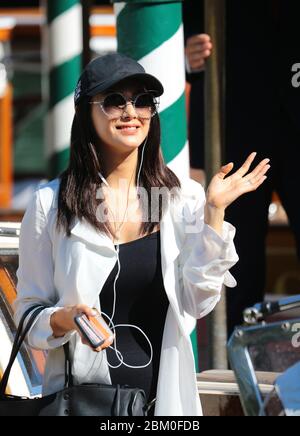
[131, 143]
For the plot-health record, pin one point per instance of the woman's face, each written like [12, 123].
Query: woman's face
[112, 131]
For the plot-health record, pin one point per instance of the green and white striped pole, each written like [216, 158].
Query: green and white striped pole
[151, 32]
[63, 48]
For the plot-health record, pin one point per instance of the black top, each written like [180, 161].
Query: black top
[141, 301]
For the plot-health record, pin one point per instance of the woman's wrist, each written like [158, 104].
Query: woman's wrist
[214, 217]
[60, 323]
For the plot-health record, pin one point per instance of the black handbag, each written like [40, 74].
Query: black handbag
[73, 400]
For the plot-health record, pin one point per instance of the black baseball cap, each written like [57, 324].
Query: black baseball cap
[105, 71]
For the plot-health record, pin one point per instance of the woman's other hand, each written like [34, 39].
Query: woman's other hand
[62, 322]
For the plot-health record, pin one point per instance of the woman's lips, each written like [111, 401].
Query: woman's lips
[128, 130]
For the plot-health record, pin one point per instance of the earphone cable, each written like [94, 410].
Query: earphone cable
[111, 323]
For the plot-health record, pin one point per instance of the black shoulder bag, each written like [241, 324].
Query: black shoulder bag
[73, 400]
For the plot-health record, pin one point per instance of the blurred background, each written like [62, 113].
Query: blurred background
[24, 160]
[23, 108]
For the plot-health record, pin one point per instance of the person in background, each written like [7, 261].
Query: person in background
[198, 47]
[262, 114]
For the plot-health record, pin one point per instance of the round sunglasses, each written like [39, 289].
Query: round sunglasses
[114, 104]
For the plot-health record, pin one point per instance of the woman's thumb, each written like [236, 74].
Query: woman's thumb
[226, 169]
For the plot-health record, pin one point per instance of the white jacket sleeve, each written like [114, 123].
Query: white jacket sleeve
[35, 277]
[206, 260]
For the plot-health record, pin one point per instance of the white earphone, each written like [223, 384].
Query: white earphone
[112, 326]
[103, 179]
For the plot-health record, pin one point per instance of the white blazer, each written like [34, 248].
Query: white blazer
[59, 271]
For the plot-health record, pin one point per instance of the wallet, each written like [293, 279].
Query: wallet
[95, 330]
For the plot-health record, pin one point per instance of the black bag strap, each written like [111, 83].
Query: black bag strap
[68, 367]
[19, 339]
[21, 325]
[20, 335]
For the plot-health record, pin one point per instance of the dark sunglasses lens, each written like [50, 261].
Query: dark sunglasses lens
[114, 104]
[114, 101]
[144, 101]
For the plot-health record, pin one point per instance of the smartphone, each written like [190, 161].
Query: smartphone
[95, 330]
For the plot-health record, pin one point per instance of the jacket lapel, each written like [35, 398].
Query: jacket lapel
[95, 269]
[171, 241]
[99, 241]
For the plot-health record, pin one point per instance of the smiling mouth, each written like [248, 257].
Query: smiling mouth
[129, 128]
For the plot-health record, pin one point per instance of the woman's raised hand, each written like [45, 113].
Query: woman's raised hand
[222, 191]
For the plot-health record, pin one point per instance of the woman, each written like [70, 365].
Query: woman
[154, 266]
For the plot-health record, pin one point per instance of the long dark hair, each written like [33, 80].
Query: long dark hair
[80, 182]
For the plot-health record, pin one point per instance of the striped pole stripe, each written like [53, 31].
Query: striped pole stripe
[151, 32]
[64, 42]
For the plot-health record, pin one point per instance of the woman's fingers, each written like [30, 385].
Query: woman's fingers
[82, 308]
[106, 344]
[260, 171]
[260, 168]
[257, 176]
[252, 183]
[252, 186]
[246, 166]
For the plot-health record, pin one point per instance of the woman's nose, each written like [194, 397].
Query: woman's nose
[129, 110]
